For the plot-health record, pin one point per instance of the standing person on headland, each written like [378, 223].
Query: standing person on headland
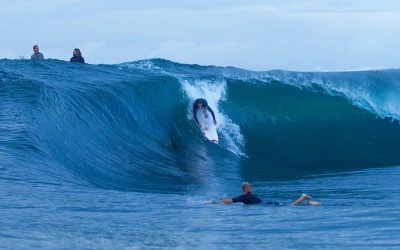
[202, 103]
[36, 54]
[77, 56]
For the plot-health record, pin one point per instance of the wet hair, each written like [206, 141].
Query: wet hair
[35, 46]
[79, 51]
[203, 102]
[245, 186]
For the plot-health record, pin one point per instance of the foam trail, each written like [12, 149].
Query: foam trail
[215, 92]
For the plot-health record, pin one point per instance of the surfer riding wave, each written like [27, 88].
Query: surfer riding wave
[202, 103]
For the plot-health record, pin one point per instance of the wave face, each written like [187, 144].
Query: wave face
[129, 126]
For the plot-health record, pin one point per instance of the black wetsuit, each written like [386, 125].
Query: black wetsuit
[250, 199]
[247, 199]
[79, 59]
[204, 105]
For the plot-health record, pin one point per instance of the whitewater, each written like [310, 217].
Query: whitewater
[109, 157]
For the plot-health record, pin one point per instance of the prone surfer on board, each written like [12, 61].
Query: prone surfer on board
[202, 103]
[248, 198]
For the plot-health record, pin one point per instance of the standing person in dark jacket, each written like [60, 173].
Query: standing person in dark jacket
[77, 56]
[202, 103]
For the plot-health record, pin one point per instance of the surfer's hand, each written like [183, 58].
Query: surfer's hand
[215, 122]
[199, 125]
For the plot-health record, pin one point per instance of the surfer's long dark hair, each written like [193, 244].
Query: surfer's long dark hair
[79, 51]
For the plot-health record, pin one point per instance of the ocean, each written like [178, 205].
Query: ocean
[109, 157]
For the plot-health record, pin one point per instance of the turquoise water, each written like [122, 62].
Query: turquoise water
[108, 156]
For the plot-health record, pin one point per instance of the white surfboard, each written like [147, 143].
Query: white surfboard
[208, 127]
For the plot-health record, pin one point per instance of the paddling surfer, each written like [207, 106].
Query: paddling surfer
[37, 56]
[248, 198]
[77, 56]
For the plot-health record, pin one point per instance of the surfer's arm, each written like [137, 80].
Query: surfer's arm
[223, 201]
[195, 114]
[226, 201]
[212, 112]
[240, 198]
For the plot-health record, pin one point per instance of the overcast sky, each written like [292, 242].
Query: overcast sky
[258, 35]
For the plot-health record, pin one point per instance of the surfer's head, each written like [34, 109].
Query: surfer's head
[201, 103]
[246, 187]
[36, 48]
[77, 52]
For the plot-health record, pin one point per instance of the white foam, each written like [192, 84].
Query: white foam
[215, 92]
[145, 65]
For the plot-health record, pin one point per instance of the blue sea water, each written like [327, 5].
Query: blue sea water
[109, 157]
